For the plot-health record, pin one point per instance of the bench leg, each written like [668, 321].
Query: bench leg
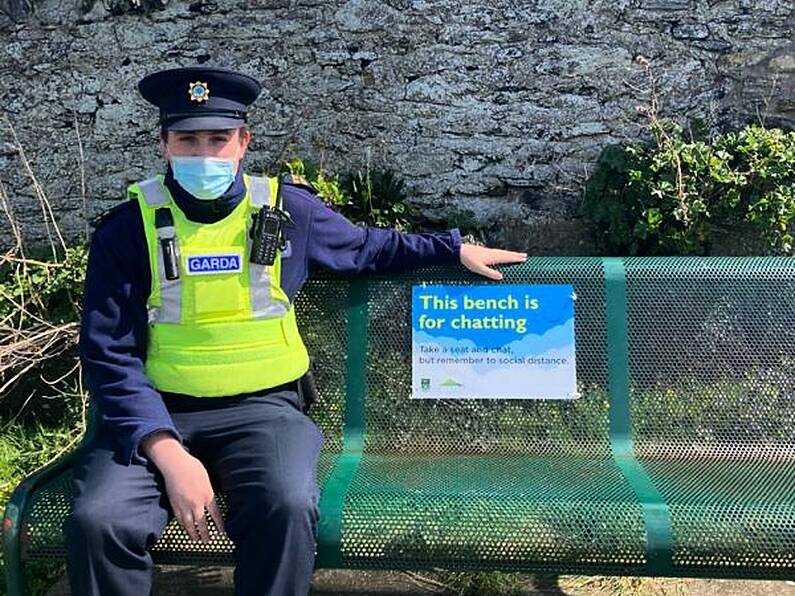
[12, 553]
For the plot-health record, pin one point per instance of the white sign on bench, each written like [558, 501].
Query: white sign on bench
[493, 342]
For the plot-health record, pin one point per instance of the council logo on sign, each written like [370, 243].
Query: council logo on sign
[213, 264]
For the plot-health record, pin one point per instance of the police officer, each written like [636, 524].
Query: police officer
[192, 354]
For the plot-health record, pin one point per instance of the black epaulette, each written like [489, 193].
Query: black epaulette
[299, 181]
[98, 220]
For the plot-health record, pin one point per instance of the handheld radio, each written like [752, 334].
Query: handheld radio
[267, 231]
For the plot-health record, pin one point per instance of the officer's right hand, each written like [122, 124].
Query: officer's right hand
[187, 485]
[479, 258]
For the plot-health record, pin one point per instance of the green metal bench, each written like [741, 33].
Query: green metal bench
[678, 459]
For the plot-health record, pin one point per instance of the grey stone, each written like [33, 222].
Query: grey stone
[690, 31]
[365, 15]
[665, 5]
[714, 45]
[501, 105]
[785, 63]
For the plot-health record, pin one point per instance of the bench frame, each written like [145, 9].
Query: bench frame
[656, 513]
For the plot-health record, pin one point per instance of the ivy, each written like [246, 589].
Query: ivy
[669, 196]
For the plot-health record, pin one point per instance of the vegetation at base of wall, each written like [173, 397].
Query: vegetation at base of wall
[670, 196]
[372, 198]
[39, 318]
[24, 448]
[42, 402]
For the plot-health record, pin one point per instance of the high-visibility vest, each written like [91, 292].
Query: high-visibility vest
[225, 326]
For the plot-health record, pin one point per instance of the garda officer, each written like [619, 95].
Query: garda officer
[192, 353]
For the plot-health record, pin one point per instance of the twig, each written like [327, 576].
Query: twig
[82, 179]
[762, 118]
[68, 447]
[11, 220]
[54, 331]
[32, 351]
[46, 208]
[664, 141]
[19, 411]
[16, 377]
[22, 308]
[83, 397]
[25, 261]
[62, 377]
[425, 582]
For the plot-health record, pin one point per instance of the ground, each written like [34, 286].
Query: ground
[217, 581]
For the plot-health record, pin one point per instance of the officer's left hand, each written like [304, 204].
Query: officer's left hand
[478, 258]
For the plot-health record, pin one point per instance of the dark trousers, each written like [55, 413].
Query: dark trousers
[261, 451]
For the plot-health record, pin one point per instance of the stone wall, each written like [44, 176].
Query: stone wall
[500, 107]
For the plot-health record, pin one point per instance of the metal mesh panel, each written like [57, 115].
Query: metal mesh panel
[475, 511]
[322, 319]
[730, 514]
[712, 352]
[489, 483]
[523, 427]
[42, 536]
[706, 347]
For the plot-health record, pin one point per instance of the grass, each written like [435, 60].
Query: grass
[24, 448]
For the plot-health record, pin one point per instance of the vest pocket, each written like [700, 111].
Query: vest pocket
[218, 297]
[214, 289]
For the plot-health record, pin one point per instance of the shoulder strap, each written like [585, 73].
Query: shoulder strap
[153, 192]
[260, 191]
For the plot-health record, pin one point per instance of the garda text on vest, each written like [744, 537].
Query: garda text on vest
[214, 264]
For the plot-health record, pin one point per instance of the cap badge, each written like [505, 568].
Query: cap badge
[199, 91]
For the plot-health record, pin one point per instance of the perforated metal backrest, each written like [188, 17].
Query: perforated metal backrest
[711, 349]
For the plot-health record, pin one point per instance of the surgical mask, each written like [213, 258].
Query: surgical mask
[206, 178]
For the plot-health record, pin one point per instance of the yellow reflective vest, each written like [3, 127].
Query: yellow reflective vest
[225, 326]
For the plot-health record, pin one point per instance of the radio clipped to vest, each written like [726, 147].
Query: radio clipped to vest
[166, 233]
[267, 231]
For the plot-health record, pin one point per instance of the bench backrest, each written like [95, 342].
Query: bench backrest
[679, 357]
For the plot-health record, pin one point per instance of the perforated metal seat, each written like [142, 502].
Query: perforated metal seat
[678, 458]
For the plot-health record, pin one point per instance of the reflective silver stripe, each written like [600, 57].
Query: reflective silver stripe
[263, 306]
[154, 195]
[260, 191]
[170, 309]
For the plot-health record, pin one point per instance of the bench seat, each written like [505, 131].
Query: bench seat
[550, 514]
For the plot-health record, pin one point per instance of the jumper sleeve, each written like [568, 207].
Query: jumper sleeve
[336, 243]
[113, 336]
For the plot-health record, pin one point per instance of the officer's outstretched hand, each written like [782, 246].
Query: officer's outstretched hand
[478, 258]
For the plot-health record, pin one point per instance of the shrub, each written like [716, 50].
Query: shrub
[371, 198]
[669, 196]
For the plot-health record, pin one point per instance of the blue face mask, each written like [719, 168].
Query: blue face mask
[206, 178]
